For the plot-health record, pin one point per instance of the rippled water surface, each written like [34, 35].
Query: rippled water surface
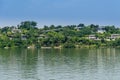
[56, 64]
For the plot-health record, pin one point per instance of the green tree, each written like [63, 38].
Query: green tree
[28, 25]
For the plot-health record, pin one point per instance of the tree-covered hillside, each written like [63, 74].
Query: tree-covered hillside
[27, 35]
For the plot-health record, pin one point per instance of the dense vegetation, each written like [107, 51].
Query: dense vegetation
[26, 34]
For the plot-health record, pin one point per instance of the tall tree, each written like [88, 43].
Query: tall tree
[28, 24]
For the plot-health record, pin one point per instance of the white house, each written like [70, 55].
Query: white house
[93, 37]
[100, 30]
[115, 36]
[15, 30]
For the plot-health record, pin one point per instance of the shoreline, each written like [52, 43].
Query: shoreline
[61, 47]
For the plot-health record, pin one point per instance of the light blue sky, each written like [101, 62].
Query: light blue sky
[47, 12]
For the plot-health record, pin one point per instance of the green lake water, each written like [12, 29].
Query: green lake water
[60, 64]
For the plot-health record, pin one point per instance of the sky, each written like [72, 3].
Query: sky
[60, 12]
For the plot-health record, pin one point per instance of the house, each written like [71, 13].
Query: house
[15, 30]
[93, 37]
[23, 37]
[100, 30]
[115, 36]
[13, 37]
[41, 36]
[10, 37]
[77, 28]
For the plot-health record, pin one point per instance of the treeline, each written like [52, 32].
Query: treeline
[27, 35]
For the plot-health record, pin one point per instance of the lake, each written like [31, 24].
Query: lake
[60, 64]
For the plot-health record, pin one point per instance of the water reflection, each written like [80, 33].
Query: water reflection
[60, 64]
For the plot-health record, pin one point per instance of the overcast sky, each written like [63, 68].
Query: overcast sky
[46, 12]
